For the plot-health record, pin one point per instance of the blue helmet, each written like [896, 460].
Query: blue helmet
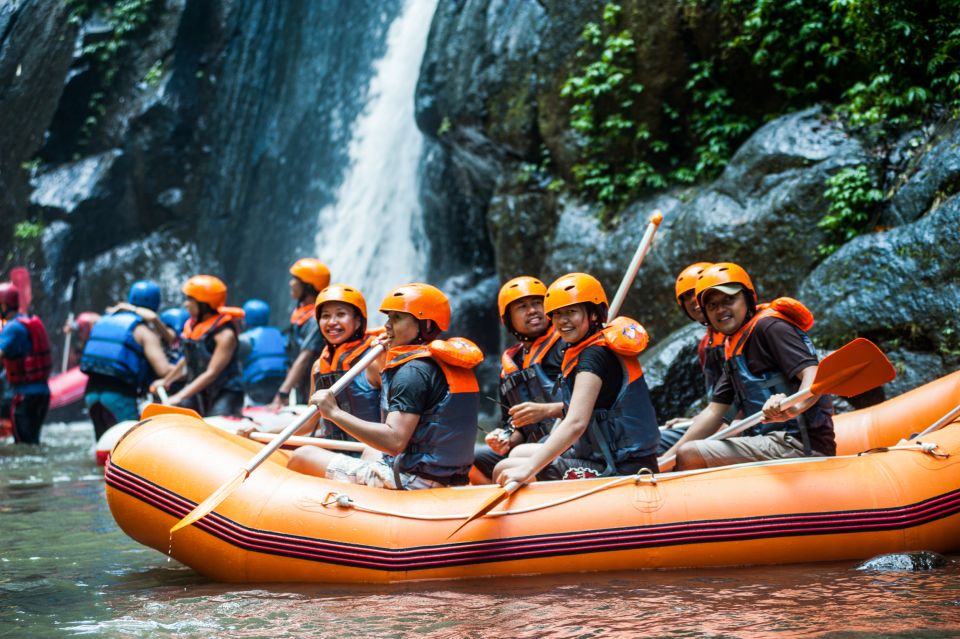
[145, 293]
[256, 313]
[175, 318]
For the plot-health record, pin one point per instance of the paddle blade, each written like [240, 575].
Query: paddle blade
[211, 502]
[20, 277]
[488, 505]
[153, 409]
[853, 369]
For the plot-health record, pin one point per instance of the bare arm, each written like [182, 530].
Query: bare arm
[226, 344]
[771, 408]
[706, 423]
[390, 437]
[152, 350]
[586, 389]
[299, 368]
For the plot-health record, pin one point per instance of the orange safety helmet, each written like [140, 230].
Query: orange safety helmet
[207, 289]
[312, 271]
[725, 276]
[420, 300]
[574, 288]
[518, 287]
[342, 293]
[687, 280]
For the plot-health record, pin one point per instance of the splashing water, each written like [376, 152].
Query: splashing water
[370, 237]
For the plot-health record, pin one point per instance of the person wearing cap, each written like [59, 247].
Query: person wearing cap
[429, 403]
[209, 365]
[262, 353]
[309, 276]
[122, 355]
[25, 351]
[609, 425]
[529, 393]
[767, 356]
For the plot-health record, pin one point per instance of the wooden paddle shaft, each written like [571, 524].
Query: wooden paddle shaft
[946, 419]
[308, 414]
[329, 444]
[162, 394]
[631, 274]
[66, 344]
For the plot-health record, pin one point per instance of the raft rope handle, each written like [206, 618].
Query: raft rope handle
[930, 448]
[643, 476]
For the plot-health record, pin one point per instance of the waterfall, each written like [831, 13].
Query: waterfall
[371, 236]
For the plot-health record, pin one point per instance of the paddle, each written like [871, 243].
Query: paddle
[162, 394]
[850, 370]
[642, 249]
[66, 344]
[940, 423]
[20, 277]
[226, 489]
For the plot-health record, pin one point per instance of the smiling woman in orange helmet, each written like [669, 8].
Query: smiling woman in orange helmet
[609, 425]
[767, 354]
[209, 341]
[309, 276]
[429, 402]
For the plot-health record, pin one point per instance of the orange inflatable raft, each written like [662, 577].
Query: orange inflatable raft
[283, 526]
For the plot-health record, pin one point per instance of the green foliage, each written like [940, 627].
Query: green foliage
[444, 127]
[853, 196]
[154, 74]
[128, 20]
[603, 97]
[27, 231]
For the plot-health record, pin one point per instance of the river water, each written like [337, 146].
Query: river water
[67, 570]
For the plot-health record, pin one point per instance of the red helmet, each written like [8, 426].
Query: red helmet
[727, 277]
[420, 300]
[208, 289]
[518, 287]
[9, 295]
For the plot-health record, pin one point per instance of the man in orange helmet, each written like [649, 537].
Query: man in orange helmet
[429, 400]
[304, 342]
[767, 355]
[529, 392]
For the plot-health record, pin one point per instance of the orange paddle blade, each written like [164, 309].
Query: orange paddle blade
[488, 505]
[852, 369]
[211, 502]
[153, 409]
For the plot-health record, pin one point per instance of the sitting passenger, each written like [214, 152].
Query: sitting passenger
[609, 425]
[767, 355]
[263, 353]
[529, 392]
[429, 403]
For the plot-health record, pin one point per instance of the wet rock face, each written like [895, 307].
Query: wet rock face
[672, 370]
[894, 288]
[905, 562]
[36, 47]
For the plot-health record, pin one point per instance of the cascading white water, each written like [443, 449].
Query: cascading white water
[370, 238]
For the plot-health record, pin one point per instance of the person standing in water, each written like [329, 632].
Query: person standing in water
[25, 351]
[263, 353]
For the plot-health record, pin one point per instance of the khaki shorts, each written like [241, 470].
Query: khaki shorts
[738, 450]
[373, 473]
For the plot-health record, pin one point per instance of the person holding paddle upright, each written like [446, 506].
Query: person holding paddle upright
[609, 425]
[767, 355]
[529, 392]
[429, 403]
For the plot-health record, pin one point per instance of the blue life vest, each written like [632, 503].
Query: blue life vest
[441, 447]
[267, 357]
[528, 382]
[112, 351]
[752, 391]
[360, 398]
[198, 346]
[625, 432]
